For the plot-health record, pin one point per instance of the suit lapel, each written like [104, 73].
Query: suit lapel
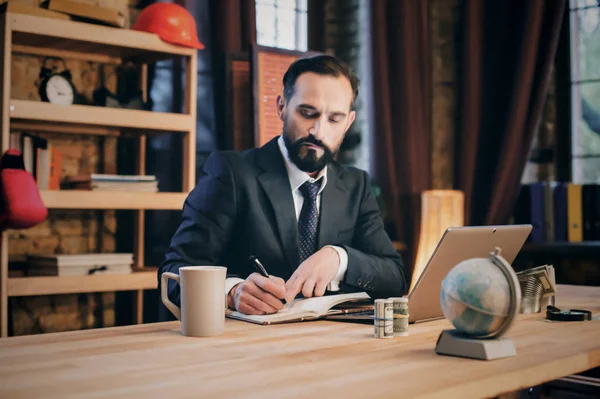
[276, 184]
[331, 210]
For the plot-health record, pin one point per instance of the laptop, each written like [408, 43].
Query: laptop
[456, 245]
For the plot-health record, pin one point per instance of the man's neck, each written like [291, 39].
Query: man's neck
[314, 175]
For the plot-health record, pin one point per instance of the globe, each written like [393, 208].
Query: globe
[480, 296]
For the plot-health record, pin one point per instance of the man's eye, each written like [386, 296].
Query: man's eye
[307, 114]
[334, 120]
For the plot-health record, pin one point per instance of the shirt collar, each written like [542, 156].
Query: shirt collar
[298, 177]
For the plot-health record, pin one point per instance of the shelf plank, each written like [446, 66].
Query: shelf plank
[563, 248]
[99, 116]
[89, 199]
[70, 55]
[29, 30]
[54, 285]
[41, 126]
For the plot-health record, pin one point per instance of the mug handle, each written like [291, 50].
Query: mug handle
[163, 293]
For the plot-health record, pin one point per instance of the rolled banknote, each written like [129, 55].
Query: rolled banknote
[400, 306]
[544, 274]
[384, 318]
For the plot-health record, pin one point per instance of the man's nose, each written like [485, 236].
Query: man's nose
[316, 129]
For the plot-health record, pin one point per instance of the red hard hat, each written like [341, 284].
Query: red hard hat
[171, 22]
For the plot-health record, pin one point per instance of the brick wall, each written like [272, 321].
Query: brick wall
[67, 231]
[444, 29]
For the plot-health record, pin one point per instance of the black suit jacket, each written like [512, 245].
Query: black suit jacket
[242, 205]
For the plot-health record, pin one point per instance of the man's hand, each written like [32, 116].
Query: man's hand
[257, 295]
[314, 274]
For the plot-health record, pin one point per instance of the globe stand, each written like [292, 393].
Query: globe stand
[490, 346]
[453, 343]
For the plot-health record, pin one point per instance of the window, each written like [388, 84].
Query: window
[282, 24]
[585, 90]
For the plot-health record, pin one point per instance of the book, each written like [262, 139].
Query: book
[79, 270]
[304, 309]
[55, 169]
[97, 177]
[574, 213]
[530, 208]
[96, 181]
[79, 264]
[561, 226]
[549, 222]
[92, 259]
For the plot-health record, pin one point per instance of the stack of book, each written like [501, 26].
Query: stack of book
[96, 181]
[560, 211]
[79, 264]
[41, 159]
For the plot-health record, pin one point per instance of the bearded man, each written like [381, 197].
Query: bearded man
[314, 224]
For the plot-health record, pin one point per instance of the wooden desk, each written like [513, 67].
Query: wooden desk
[311, 359]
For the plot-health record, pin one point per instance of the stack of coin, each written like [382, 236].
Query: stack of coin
[400, 306]
[384, 318]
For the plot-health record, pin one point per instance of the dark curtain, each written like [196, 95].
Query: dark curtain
[233, 32]
[400, 111]
[316, 25]
[233, 24]
[507, 55]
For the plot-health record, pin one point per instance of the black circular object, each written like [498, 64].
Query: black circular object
[56, 87]
[553, 313]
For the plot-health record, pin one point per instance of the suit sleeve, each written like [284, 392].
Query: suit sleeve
[209, 213]
[374, 266]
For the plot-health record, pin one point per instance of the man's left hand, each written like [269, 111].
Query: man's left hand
[314, 274]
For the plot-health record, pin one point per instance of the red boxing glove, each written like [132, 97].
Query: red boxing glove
[21, 206]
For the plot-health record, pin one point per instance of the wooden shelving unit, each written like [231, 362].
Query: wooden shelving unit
[25, 34]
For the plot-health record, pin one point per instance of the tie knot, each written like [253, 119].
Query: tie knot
[309, 190]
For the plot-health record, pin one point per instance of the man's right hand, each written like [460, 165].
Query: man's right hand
[257, 295]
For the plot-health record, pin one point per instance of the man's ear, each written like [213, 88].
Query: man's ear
[281, 107]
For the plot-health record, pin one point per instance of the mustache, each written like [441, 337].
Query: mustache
[311, 140]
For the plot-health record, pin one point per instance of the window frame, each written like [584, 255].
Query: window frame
[565, 112]
[297, 30]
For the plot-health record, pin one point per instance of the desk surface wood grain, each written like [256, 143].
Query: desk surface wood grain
[310, 359]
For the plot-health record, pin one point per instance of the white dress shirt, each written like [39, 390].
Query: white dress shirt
[297, 179]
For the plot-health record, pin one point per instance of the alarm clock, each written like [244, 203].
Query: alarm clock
[56, 87]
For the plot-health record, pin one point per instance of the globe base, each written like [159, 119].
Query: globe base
[454, 343]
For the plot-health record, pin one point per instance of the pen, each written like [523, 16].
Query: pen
[261, 269]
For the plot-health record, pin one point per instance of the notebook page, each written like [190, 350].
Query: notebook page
[320, 305]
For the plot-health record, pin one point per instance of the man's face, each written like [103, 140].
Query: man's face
[315, 119]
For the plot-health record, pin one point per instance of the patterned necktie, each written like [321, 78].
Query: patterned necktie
[309, 219]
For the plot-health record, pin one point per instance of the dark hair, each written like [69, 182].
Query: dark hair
[322, 64]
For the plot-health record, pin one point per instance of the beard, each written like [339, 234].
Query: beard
[309, 162]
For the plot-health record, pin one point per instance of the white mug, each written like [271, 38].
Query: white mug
[202, 312]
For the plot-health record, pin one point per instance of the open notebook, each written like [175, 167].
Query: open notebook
[310, 309]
